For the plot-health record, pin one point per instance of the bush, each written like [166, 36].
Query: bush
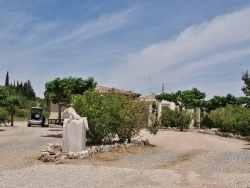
[4, 117]
[232, 118]
[109, 115]
[171, 118]
[132, 120]
[21, 113]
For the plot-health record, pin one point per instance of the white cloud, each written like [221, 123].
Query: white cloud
[189, 54]
[92, 28]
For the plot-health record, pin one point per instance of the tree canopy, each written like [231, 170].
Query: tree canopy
[3, 94]
[221, 101]
[9, 102]
[246, 88]
[187, 98]
[60, 91]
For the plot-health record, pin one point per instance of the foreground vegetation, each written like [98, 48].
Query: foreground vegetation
[109, 115]
[232, 118]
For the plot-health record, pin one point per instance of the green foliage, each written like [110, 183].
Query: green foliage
[4, 117]
[3, 94]
[232, 118]
[24, 89]
[171, 118]
[94, 106]
[7, 79]
[184, 99]
[9, 102]
[132, 120]
[222, 101]
[60, 91]
[188, 98]
[108, 115]
[21, 113]
[246, 88]
[244, 101]
[153, 129]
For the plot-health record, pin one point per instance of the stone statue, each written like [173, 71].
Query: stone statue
[74, 131]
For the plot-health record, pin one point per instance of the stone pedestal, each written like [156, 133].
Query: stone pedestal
[74, 134]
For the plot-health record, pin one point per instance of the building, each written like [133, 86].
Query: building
[155, 107]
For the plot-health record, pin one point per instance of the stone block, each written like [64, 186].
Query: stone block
[74, 134]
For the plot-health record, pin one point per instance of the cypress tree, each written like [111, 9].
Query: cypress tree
[7, 79]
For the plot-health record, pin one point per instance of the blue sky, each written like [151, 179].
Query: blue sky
[121, 43]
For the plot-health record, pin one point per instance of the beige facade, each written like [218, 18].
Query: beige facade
[155, 107]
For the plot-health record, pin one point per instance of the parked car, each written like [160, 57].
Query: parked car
[36, 117]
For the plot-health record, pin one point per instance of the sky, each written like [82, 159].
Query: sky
[137, 45]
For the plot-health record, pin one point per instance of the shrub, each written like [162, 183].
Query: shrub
[232, 118]
[132, 121]
[171, 118]
[21, 113]
[4, 117]
[109, 115]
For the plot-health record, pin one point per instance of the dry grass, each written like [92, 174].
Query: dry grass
[111, 157]
[176, 161]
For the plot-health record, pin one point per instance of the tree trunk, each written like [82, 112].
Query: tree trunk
[12, 119]
[59, 114]
[181, 118]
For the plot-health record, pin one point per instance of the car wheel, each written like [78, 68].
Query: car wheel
[29, 125]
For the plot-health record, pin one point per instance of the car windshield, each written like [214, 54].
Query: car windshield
[36, 111]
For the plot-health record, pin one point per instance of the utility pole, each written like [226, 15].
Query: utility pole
[150, 85]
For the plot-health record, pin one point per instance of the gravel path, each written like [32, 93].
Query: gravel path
[179, 159]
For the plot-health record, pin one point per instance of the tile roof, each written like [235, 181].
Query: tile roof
[104, 89]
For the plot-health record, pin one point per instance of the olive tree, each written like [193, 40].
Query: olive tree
[9, 102]
[11, 105]
[184, 99]
[60, 91]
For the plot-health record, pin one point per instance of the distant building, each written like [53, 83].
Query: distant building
[128, 94]
[155, 107]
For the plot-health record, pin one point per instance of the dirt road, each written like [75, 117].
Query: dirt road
[179, 159]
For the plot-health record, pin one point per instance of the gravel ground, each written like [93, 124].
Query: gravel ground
[179, 159]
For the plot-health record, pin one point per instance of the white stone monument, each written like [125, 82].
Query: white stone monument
[74, 131]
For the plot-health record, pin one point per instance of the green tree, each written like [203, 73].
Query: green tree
[28, 90]
[246, 88]
[244, 101]
[8, 102]
[3, 94]
[60, 91]
[187, 99]
[4, 118]
[7, 79]
[11, 105]
[221, 101]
